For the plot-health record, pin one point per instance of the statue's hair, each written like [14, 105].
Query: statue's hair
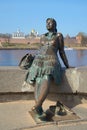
[54, 22]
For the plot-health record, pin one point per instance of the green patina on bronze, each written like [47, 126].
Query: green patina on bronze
[46, 65]
[46, 61]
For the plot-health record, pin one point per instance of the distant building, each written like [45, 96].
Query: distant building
[18, 35]
[70, 41]
[79, 38]
[33, 33]
[82, 39]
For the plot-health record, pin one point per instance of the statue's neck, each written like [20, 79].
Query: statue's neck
[50, 35]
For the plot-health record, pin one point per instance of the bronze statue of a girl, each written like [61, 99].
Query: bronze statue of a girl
[46, 65]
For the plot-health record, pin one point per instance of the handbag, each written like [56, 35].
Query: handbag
[26, 61]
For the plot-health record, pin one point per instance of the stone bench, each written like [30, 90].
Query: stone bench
[74, 80]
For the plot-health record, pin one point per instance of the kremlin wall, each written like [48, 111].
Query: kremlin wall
[19, 37]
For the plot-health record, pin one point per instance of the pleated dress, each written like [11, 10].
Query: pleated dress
[46, 61]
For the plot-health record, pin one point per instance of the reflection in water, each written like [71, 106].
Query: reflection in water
[12, 57]
[80, 54]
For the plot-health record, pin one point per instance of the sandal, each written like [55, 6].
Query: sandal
[37, 110]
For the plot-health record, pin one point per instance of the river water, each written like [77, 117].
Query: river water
[76, 58]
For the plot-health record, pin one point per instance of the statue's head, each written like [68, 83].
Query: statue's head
[51, 24]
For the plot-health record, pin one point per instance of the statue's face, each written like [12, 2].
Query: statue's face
[49, 24]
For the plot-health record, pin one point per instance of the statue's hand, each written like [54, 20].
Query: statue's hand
[71, 66]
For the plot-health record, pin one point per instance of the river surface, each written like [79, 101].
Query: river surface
[76, 58]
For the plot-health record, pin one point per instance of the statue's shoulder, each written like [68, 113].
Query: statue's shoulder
[60, 35]
[43, 36]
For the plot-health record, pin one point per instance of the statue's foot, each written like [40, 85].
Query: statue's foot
[39, 113]
[37, 110]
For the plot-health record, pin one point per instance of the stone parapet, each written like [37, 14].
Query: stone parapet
[74, 81]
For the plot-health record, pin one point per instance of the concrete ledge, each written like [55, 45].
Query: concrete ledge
[74, 80]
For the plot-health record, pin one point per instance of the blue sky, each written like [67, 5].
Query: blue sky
[71, 15]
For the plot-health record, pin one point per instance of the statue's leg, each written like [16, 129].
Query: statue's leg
[41, 90]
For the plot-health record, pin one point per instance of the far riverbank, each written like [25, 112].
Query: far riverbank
[35, 47]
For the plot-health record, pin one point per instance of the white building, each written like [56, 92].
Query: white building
[18, 34]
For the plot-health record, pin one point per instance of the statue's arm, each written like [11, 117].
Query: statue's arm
[61, 50]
